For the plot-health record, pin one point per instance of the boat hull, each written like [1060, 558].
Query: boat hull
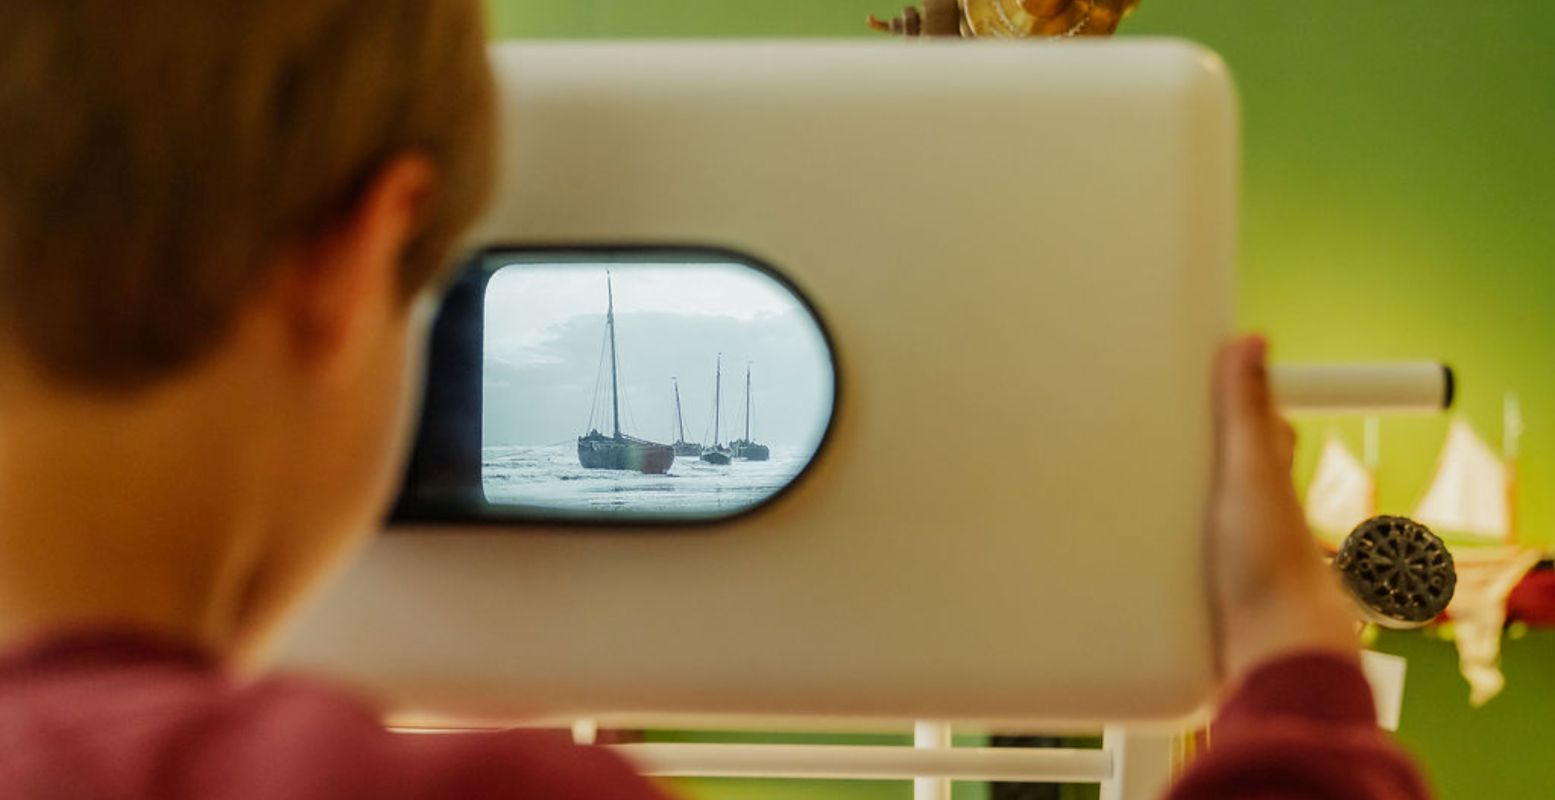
[625, 454]
[719, 457]
[691, 449]
[750, 451]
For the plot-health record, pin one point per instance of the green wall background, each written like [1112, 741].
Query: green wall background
[1399, 202]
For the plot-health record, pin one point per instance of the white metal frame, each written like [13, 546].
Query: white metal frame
[1130, 765]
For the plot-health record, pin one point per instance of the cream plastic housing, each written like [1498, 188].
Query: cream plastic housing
[1024, 255]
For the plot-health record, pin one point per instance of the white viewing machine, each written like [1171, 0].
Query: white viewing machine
[980, 287]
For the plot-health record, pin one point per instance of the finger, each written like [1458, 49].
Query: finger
[1242, 405]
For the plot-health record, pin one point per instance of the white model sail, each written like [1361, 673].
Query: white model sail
[1468, 499]
[1342, 494]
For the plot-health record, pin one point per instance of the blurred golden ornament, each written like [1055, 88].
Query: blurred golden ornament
[1015, 19]
[1010, 19]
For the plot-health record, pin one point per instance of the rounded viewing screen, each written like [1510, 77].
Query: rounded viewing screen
[654, 388]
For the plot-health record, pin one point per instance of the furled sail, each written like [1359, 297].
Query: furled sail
[1342, 494]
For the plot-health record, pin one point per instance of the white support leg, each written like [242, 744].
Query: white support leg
[931, 736]
[585, 731]
[1141, 765]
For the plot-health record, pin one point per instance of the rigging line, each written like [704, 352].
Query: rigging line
[718, 423]
[717, 420]
[707, 429]
[677, 434]
[747, 419]
[627, 421]
[599, 374]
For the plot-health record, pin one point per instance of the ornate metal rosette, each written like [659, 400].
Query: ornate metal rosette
[1400, 573]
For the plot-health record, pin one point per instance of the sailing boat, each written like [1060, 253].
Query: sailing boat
[717, 454]
[1470, 500]
[682, 447]
[745, 448]
[619, 451]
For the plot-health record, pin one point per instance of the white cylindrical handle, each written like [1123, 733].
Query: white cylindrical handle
[1385, 387]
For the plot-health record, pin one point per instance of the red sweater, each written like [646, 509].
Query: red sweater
[115, 717]
[130, 718]
[1301, 727]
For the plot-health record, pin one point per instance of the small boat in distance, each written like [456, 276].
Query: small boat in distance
[745, 448]
[682, 447]
[717, 454]
[619, 451]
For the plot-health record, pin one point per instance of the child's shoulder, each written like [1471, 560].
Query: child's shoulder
[124, 715]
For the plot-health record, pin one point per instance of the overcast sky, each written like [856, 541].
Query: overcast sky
[545, 327]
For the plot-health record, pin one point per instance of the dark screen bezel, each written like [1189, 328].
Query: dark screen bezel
[442, 484]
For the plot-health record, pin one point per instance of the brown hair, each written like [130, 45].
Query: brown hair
[156, 157]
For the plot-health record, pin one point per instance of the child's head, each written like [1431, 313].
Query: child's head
[229, 215]
[156, 158]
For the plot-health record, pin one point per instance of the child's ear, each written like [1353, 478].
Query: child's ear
[349, 278]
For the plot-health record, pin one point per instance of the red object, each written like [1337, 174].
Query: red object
[1532, 600]
[1299, 728]
[130, 717]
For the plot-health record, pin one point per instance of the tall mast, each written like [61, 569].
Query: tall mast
[747, 402]
[680, 421]
[718, 379]
[615, 389]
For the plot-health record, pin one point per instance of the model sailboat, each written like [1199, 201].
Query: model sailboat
[682, 447]
[717, 454]
[619, 451]
[1470, 501]
[745, 448]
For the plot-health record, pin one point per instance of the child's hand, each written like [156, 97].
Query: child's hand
[1272, 592]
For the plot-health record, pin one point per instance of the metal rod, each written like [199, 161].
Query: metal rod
[1052, 765]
